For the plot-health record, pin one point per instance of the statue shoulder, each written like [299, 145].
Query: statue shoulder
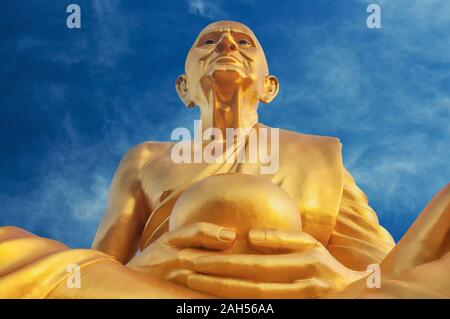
[137, 156]
[295, 142]
[145, 150]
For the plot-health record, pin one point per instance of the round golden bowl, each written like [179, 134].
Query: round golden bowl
[237, 201]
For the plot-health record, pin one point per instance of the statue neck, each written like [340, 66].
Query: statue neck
[232, 109]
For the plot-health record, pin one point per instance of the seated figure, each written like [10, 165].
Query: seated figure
[225, 229]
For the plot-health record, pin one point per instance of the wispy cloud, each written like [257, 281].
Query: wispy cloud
[112, 28]
[205, 8]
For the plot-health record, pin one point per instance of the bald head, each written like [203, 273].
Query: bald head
[226, 53]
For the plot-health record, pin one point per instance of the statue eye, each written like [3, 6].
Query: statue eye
[244, 42]
[210, 42]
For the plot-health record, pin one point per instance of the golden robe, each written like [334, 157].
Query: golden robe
[334, 210]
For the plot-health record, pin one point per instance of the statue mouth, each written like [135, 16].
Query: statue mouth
[226, 60]
[227, 63]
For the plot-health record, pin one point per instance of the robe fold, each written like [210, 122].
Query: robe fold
[32, 266]
[333, 208]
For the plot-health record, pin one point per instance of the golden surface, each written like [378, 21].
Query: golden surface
[305, 231]
[209, 201]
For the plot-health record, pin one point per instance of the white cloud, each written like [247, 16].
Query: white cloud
[112, 30]
[204, 8]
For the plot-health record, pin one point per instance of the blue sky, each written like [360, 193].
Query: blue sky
[73, 101]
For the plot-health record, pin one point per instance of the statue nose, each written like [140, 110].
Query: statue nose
[226, 45]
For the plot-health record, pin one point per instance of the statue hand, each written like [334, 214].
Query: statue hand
[297, 266]
[170, 257]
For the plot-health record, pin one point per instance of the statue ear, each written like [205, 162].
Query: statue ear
[271, 88]
[182, 90]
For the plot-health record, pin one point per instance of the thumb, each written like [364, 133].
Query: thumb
[280, 241]
[201, 235]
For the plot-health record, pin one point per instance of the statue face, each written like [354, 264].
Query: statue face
[226, 53]
[226, 46]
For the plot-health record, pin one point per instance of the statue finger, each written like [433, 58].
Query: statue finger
[238, 288]
[279, 241]
[260, 268]
[179, 276]
[224, 287]
[185, 258]
[201, 235]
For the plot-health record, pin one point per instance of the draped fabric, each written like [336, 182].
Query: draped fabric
[419, 265]
[358, 239]
[32, 266]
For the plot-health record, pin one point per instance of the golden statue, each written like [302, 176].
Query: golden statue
[224, 229]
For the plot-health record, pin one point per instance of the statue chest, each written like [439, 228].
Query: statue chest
[162, 177]
[312, 180]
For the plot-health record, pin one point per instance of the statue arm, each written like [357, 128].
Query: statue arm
[36, 267]
[358, 239]
[127, 210]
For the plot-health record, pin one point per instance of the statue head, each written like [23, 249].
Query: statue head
[225, 58]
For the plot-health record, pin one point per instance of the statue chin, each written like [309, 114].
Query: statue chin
[237, 201]
[227, 74]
